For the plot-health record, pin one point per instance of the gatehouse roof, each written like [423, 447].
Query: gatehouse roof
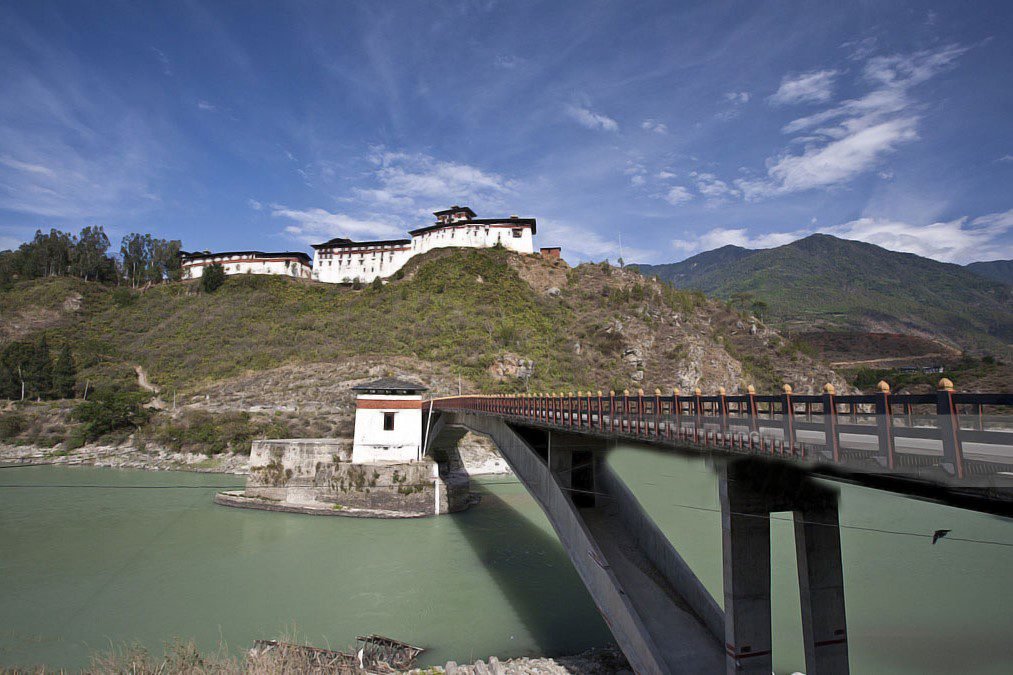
[390, 385]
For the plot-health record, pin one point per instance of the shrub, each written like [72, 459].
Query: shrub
[212, 278]
[110, 410]
[11, 425]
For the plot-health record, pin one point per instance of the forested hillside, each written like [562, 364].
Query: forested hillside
[825, 283]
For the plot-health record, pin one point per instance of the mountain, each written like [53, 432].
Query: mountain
[997, 270]
[825, 283]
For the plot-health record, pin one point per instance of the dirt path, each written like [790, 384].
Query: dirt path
[144, 383]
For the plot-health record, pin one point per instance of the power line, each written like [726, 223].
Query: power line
[691, 507]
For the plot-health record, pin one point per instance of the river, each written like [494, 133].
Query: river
[96, 557]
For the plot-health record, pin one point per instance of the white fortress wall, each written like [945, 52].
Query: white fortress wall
[289, 267]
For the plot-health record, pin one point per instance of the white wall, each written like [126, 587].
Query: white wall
[365, 262]
[235, 265]
[345, 266]
[372, 444]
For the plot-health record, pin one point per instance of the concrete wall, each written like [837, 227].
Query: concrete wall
[318, 473]
[346, 265]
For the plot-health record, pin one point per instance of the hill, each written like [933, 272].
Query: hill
[996, 270]
[825, 283]
[283, 352]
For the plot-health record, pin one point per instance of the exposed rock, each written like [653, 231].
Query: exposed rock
[554, 292]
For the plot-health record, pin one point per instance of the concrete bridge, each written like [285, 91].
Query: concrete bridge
[950, 447]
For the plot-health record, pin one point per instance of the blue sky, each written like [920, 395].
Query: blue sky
[673, 127]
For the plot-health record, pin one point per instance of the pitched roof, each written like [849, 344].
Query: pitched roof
[390, 384]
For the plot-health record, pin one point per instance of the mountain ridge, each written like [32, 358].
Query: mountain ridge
[826, 282]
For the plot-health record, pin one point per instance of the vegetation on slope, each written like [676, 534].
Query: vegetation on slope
[830, 283]
[500, 321]
[996, 270]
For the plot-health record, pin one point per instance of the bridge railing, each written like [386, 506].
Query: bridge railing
[948, 435]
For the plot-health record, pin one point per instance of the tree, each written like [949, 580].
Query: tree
[109, 410]
[88, 256]
[165, 261]
[64, 374]
[37, 370]
[212, 278]
[135, 251]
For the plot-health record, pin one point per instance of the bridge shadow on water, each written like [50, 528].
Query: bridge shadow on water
[526, 561]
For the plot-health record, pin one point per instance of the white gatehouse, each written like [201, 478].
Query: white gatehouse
[388, 422]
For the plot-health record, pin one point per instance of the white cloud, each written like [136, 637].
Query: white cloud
[737, 97]
[854, 136]
[665, 174]
[8, 243]
[25, 167]
[590, 119]
[163, 60]
[713, 188]
[678, 195]
[637, 180]
[584, 244]
[254, 204]
[961, 240]
[402, 179]
[508, 61]
[1005, 158]
[314, 225]
[723, 236]
[207, 107]
[655, 126]
[812, 87]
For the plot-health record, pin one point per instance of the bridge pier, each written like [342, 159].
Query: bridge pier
[750, 491]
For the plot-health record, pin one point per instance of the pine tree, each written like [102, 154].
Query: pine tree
[64, 374]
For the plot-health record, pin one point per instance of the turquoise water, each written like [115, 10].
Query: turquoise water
[83, 568]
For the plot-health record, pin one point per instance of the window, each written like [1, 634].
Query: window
[388, 421]
[517, 232]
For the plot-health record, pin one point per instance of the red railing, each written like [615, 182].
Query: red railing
[861, 430]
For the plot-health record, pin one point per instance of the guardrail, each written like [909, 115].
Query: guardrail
[950, 435]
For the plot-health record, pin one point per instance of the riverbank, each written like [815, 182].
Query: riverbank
[184, 657]
[126, 457]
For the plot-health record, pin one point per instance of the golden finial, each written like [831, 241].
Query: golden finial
[787, 388]
[750, 389]
[721, 391]
[883, 386]
[657, 392]
[829, 388]
[945, 384]
[599, 392]
[675, 391]
[626, 392]
[640, 392]
[697, 391]
[612, 392]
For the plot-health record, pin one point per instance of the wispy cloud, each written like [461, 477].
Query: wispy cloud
[677, 195]
[163, 60]
[854, 136]
[591, 119]
[315, 224]
[416, 179]
[586, 244]
[655, 126]
[207, 107]
[1005, 158]
[812, 87]
[724, 236]
[254, 204]
[712, 187]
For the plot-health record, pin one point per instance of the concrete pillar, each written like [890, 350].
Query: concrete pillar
[745, 531]
[821, 587]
